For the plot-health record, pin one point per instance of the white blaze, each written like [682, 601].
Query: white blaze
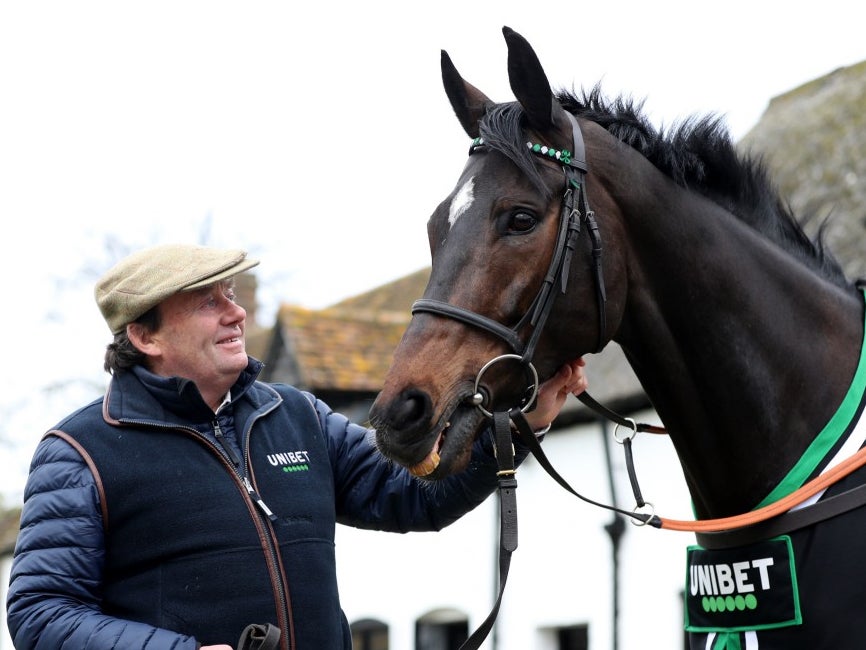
[461, 202]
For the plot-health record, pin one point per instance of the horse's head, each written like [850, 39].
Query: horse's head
[504, 244]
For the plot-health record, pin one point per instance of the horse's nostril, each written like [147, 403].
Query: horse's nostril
[411, 409]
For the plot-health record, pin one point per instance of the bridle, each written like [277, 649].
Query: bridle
[575, 212]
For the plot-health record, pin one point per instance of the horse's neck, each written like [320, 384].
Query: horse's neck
[744, 352]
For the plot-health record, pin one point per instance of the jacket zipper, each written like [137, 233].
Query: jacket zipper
[233, 455]
[227, 448]
[255, 497]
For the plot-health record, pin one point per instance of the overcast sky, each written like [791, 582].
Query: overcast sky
[314, 134]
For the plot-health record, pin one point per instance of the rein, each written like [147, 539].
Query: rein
[773, 519]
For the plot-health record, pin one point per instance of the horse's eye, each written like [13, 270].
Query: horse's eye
[521, 222]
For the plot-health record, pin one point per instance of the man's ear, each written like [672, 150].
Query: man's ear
[141, 337]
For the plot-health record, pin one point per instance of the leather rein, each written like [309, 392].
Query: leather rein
[769, 521]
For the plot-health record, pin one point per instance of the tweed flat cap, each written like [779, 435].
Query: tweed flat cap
[141, 281]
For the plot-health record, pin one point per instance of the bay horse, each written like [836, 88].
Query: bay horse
[575, 223]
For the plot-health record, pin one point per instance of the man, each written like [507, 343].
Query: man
[193, 500]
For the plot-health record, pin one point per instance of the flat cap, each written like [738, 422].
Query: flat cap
[141, 281]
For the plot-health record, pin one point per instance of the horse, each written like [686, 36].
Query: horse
[576, 223]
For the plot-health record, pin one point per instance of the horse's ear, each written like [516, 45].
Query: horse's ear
[468, 102]
[529, 82]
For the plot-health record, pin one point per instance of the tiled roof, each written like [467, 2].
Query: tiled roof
[338, 349]
[347, 346]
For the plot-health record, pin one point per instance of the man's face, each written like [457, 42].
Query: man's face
[201, 338]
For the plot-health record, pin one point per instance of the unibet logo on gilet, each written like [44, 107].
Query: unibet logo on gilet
[291, 461]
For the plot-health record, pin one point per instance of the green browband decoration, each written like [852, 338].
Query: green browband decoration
[562, 155]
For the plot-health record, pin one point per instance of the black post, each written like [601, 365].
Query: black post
[615, 530]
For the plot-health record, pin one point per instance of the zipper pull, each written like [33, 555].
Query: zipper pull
[255, 497]
[229, 449]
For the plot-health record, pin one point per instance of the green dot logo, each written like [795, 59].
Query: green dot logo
[729, 603]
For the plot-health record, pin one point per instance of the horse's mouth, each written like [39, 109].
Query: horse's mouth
[452, 448]
[431, 462]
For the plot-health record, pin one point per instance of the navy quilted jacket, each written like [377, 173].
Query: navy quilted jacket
[137, 504]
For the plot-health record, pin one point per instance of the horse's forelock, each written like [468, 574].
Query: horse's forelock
[502, 129]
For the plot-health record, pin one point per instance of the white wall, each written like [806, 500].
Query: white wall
[561, 572]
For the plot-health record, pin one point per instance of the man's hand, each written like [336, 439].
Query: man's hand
[570, 379]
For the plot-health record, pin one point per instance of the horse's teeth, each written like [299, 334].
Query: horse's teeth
[426, 466]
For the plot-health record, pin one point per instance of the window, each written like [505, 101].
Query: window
[369, 634]
[572, 637]
[441, 629]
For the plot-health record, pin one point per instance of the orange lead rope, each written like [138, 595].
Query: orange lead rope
[775, 509]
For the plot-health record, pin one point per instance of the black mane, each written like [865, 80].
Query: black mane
[697, 154]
